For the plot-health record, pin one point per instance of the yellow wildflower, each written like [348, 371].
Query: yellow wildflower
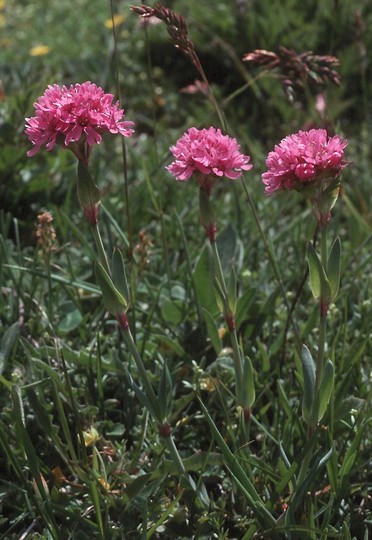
[118, 19]
[39, 50]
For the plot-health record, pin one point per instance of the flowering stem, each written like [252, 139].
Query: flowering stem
[165, 248]
[189, 265]
[321, 348]
[99, 245]
[313, 422]
[323, 309]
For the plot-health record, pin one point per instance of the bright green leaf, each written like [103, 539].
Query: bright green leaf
[248, 389]
[212, 331]
[203, 279]
[318, 278]
[9, 339]
[119, 277]
[326, 387]
[231, 290]
[308, 371]
[334, 267]
[114, 301]
[87, 191]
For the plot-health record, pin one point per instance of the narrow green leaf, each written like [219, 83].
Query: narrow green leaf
[284, 402]
[332, 465]
[248, 389]
[164, 516]
[220, 296]
[309, 374]
[164, 390]
[97, 506]
[83, 285]
[231, 291]
[243, 305]
[231, 460]
[334, 267]
[18, 406]
[347, 464]
[26, 443]
[301, 489]
[318, 279]
[22, 435]
[113, 300]
[326, 387]
[328, 510]
[346, 535]
[204, 281]
[9, 339]
[119, 276]
[12, 458]
[314, 263]
[87, 191]
[212, 331]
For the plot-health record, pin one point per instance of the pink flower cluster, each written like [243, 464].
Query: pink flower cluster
[78, 114]
[208, 153]
[302, 158]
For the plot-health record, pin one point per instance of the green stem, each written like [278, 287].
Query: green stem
[323, 248]
[319, 368]
[322, 325]
[165, 250]
[100, 249]
[190, 270]
[321, 349]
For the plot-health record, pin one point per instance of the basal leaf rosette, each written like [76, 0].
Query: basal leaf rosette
[309, 162]
[75, 117]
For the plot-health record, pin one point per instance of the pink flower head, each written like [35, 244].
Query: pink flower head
[209, 154]
[74, 117]
[303, 158]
